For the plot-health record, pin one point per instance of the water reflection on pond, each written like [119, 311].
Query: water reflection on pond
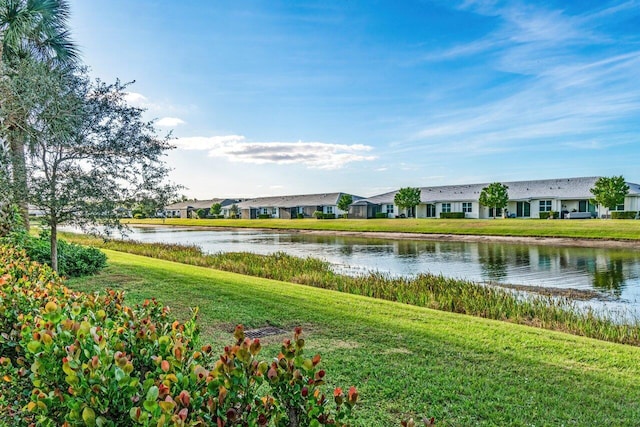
[614, 272]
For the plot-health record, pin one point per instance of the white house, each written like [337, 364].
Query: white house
[527, 199]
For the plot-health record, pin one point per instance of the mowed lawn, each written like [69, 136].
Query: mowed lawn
[586, 229]
[404, 360]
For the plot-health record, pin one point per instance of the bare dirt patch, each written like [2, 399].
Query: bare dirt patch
[264, 332]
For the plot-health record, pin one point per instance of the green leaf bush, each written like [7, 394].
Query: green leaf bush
[75, 359]
[624, 214]
[452, 215]
[73, 260]
[546, 215]
[320, 215]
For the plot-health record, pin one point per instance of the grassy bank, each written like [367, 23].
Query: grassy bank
[425, 290]
[583, 229]
[404, 359]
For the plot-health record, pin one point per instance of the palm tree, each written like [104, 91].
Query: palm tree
[35, 30]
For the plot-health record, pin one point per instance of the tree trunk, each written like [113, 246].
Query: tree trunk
[54, 246]
[20, 189]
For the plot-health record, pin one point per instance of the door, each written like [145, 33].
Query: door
[586, 206]
[523, 209]
[582, 206]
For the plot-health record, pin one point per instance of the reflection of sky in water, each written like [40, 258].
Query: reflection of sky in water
[612, 271]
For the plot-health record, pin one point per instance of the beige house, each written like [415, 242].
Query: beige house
[189, 208]
[288, 207]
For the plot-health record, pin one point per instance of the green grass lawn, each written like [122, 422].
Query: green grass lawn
[405, 360]
[587, 229]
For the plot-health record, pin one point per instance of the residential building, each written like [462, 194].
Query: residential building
[288, 207]
[527, 199]
[189, 208]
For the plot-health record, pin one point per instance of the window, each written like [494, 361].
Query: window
[329, 209]
[389, 208]
[446, 207]
[431, 211]
[586, 206]
[545, 205]
[467, 207]
[618, 207]
[274, 211]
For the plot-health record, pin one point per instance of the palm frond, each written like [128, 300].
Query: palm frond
[37, 27]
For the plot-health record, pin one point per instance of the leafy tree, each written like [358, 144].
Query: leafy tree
[610, 192]
[407, 198]
[234, 210]
[495, 196]
[147, 207]
[91, 152]
[29, 30]
[344, 202]
[215, 209]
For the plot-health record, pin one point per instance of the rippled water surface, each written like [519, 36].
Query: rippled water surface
[615, 273]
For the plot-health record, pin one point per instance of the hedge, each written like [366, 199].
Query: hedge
[325, 216]
[545, 215]
[624, 215]
[452, 215]
[382, 215]
[264, 216]
[73, 260]
[76, 359]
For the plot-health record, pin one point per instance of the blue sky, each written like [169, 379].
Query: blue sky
[287, 97]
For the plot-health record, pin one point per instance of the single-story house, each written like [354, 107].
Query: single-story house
[287, 207]
[527, 199]
[188, 208]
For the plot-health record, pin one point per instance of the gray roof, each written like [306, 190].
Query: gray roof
[561, 188]
[200, 204]
[325, 199]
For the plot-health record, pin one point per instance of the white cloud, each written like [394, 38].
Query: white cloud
[316, 155]
[170, 122]
[562, 81]
[136, 99]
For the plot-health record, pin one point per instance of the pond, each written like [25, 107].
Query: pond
[613, 273]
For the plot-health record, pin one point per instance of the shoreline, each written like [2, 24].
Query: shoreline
[474, 238]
